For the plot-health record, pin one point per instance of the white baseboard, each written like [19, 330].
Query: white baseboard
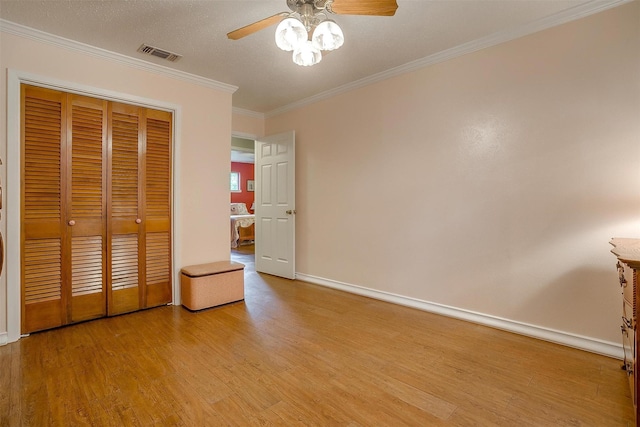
[564, 338]
[4, 338]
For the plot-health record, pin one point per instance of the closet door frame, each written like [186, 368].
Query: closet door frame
[14, 159]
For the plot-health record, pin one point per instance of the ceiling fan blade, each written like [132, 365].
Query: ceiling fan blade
[256, 26]
[365, 7]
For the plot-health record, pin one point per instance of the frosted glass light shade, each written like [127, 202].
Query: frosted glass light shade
[290, 34]
[328, 35]
[307, 54]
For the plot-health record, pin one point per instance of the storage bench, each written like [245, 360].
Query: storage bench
[209, 285]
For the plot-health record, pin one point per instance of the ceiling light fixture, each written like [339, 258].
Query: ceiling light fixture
[328, 35]
[307, 31]
[307, 54]
[290, 34]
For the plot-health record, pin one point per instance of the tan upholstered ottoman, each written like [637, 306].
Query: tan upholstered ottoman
[208, 285]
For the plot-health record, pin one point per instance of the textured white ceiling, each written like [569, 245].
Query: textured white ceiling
[242, 150]
[266, 76]
[242, 157]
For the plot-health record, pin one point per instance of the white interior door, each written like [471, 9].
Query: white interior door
[275, 205]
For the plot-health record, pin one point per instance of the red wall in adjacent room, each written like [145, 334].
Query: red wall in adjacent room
[246, 172]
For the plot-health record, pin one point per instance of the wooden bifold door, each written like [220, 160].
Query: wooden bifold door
[96, 208]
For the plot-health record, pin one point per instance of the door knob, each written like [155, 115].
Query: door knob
[72, 223]
[138, 220]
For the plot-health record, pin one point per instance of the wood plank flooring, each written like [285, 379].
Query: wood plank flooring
[298, 354]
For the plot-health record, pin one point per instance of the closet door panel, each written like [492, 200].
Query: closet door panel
[95, 208]
[87, 139]
[158, 269]
[157, 201]
[124, 274]
[124, 210]
[42, 285]
[44, 295]
[88, 285]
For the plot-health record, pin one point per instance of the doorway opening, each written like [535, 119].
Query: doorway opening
[242, 197]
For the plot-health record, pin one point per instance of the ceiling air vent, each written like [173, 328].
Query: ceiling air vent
[154, 51]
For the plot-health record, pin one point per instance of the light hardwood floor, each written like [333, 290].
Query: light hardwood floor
[298, 354]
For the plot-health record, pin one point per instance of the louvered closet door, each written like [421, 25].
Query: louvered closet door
[44, 277]
[63, 212]
[139, 208]
[125, 209]
[157, 202]
[87, 206]
[96, 208]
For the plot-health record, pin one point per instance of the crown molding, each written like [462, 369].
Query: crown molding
[248, 113]
[41, 36]
[571, 14]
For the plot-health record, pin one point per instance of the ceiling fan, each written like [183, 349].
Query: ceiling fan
[307, 30]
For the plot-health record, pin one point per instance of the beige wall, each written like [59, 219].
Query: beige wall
[491, 182]
[247, 124]
[204, 134]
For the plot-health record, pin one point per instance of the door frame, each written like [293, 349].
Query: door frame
[253, 138]
[12, 183]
